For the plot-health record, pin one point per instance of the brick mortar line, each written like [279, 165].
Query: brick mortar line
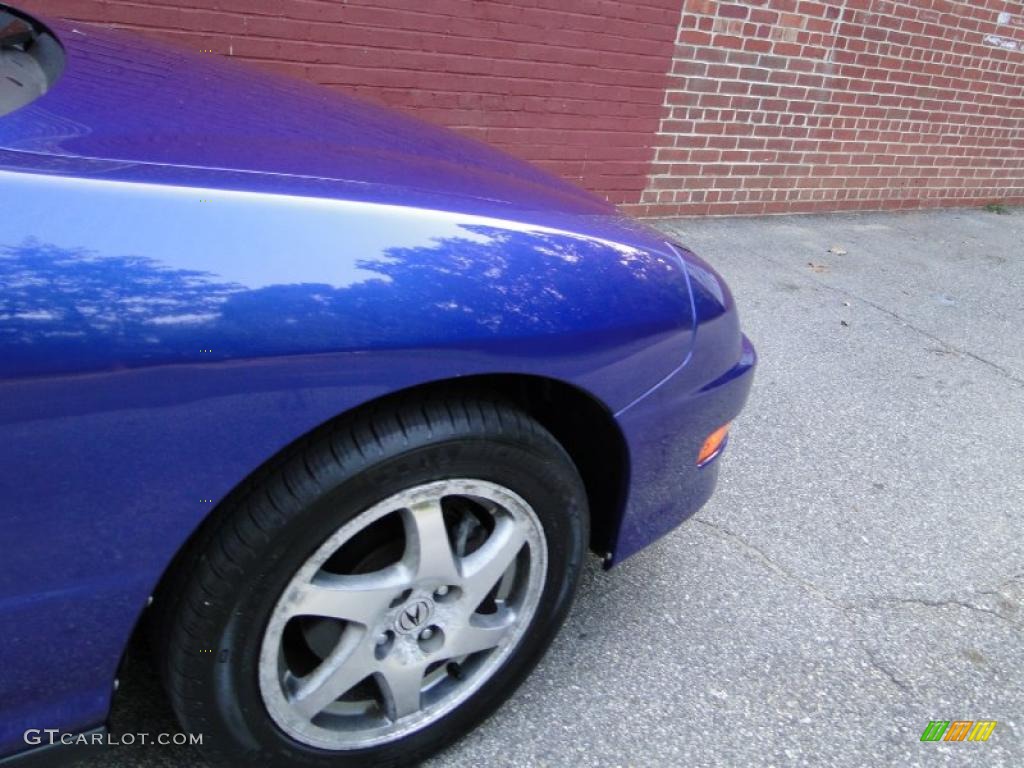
[839, 116]
[852, 78]
[842, 76]
[243, 14]
[362, 46]
[356, 46]
[874, 48]
[666, 106]
[992, 22]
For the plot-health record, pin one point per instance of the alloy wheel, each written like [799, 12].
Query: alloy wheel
[402, 614]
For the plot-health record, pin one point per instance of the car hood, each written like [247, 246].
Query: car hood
[131, 101]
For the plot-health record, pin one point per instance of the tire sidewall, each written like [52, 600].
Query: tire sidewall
[541, 476]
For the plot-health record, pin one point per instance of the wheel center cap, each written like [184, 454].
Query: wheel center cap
[414, 615]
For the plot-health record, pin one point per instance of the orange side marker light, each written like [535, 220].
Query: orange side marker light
[713, 444]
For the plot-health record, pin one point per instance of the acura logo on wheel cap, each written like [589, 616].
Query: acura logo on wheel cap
[414, 615]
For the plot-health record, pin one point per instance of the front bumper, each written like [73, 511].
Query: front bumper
[664, 432]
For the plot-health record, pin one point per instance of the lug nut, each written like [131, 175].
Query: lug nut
[426, 634]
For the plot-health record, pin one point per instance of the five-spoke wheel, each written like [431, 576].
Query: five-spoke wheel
[354, 657]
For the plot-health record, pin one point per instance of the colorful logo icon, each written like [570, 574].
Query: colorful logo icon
[958, 730]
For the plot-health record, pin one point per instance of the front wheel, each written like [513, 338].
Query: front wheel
[379, 593]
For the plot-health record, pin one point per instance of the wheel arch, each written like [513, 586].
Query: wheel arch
[588, 431]
[580, 422]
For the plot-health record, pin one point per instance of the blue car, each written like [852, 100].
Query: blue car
[330, 402]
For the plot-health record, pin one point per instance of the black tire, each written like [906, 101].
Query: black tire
[210, 615]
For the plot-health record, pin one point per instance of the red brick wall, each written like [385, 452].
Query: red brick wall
[667, 107]
[575, 86]
[787, 105]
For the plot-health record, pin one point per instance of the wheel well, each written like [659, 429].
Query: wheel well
[588, 432]
[582, 424]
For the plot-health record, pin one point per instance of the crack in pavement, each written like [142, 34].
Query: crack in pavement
[762, 557]
[947, 603]
[1003, 371]
[885, 670]
[927, 334]
[996, 591]
[759, 555]
[862, 605]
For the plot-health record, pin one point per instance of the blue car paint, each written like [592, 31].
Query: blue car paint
[202, 264]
